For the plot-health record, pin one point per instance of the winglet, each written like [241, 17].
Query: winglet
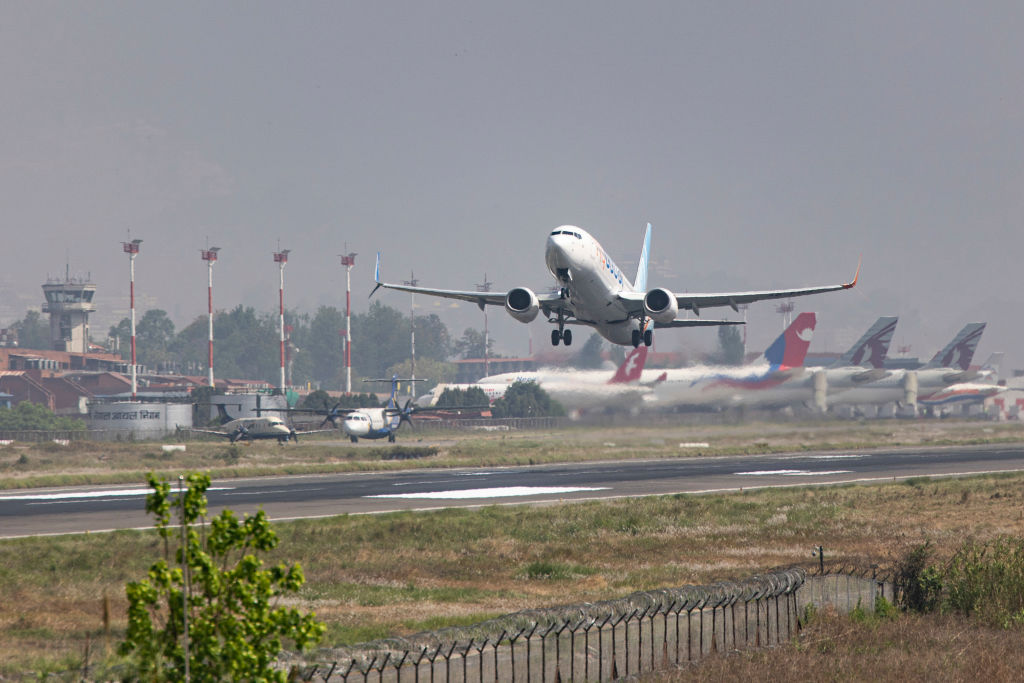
[851, 285]
[376, 276]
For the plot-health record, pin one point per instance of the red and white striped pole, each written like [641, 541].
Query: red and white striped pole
[348, 260]
[132, 249]
[281, 258]
[210, 256]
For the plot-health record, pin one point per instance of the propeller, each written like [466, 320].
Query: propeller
[239, 433]
[406, 414]
[331, 416]
[293, 435]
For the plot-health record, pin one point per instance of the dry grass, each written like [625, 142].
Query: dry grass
[909, 648]
[370, 576]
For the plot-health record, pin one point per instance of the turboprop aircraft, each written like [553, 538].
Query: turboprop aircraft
[591, 290]
[252, 428]
[380, 423]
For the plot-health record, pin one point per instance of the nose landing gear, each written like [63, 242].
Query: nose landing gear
[561, 335]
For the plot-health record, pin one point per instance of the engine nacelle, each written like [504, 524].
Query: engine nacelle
[521, 303]
[661, 305]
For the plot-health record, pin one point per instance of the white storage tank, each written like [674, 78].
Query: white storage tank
[128, 420]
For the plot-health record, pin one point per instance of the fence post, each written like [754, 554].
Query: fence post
[512, 647]
[529, 648]
[497, 643]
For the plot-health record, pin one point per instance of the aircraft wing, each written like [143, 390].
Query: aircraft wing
[205, 431]
[696, 322]
[314, 431]
[481, 299]
[696, 302]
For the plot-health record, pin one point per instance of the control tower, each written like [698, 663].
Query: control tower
[69, 303]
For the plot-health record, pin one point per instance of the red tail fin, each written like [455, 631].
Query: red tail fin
[631, 368]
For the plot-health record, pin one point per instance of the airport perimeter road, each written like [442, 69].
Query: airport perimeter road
[103, 508]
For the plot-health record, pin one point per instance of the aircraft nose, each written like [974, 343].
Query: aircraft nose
[558, 251]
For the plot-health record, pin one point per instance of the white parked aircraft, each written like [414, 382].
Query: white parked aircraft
[951, 365]
[574, 389]
[252, 428]
[591, 290]
[724, 386]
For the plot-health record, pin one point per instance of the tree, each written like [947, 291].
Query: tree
[458, 398]
[234, 625]
[432, 338]
[730, 345]
[589, 355]
[33, 333]
[526, 399]
[153, 337]
[471, 345]
[33, 416]
[380, 338]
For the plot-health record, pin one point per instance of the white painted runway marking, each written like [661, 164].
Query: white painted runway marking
[836, 457]
[83, 495]
[789, 473]
[501, 492]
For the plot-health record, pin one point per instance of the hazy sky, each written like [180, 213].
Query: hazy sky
[770, 144]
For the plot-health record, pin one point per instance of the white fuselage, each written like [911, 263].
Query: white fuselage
[268, 427]
[370, 423]
[894, 388]
[574, 389]
[592, 282]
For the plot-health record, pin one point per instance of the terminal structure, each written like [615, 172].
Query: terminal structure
[69, 303]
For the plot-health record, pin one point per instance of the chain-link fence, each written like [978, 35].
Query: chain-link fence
[641, 633]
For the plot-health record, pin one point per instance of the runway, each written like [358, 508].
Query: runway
[104, 508]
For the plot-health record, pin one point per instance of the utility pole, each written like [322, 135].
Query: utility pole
[485, 286]
[281, 258]
[132, 249]
[348, 260]
[210, 256]
[412, 282]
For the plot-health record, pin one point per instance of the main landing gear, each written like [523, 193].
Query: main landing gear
[647, 337]
[563, 335]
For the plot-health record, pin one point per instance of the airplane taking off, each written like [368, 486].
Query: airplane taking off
[591, 290]
[252, 428]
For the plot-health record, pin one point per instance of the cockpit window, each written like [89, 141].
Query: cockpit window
[568, 232]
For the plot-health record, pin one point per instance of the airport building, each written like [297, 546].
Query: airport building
[69, 303]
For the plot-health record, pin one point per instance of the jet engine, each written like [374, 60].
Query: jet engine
[661, 305]
[521, 303]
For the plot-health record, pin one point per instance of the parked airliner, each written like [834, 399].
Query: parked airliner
[574, 389]
[951, 365]
[591, 290]
[731, 385]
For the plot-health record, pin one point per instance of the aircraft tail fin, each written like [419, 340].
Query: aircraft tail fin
[790, 348]
[640, 282]
[959, 352]
[631, 367]
[994, 362]
[222, 414]
[871, 349]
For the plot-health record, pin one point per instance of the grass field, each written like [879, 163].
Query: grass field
[377, 575]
